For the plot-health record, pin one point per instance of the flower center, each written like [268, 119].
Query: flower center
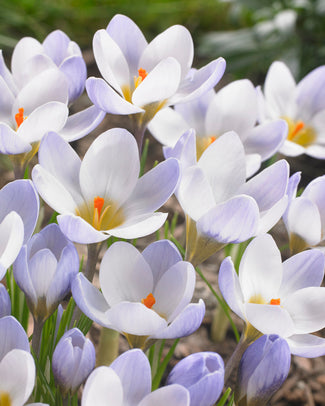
[102, 215]
[19, 117]
[142, 75]
[5, 399]
[275, 302]
[202, 143]
[149, 301]
[299, 133]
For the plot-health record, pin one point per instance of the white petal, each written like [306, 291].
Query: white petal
[306, 345]
[172, 395]
[124, 274]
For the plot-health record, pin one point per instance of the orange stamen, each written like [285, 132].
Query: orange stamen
[98, 204]
[149, 301]
[275, 301]
[299, 126]
[142, 75]
[211, 140]
[19, 117]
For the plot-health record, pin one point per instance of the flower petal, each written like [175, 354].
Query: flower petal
[172, 395]
[11, 143]
[12, 336]
[306, 345]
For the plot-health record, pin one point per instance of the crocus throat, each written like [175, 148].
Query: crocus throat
[202, 143]
[300, 133]
[19, 117]
[142, 75]
[5, 399]
[275, 302]
[149, 301]
[98, 205]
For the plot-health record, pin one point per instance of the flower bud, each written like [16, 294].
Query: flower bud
[262, 370]
[202, 374]
[73, 360]
[5, 304]
[44, 270]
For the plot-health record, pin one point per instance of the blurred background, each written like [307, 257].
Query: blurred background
[249, 34]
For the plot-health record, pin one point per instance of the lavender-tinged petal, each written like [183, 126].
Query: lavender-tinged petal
[11, 143]
[270, 217]
[7, 76]
[43, 259]
[266, 139]
[234, 221]
[90, 300]
[306, 345]
[124, 274]
[55, 46]
[22, 275]
[86, 364]
[202, 81]
[12, 335]
[160, 84]
[160, 256]
[230, 287]
[106, 98]
[5, 304]
[188, 321]
[153, 189]
[303, 270]
[82, 123]
[316, 192]
[269, 186]
[134, 371]
[291, 193]
[184, 150]
[253, 164]
[25, 49]
[75, 70]
[129, 38]
[33, 67]
[78, 230]
[6, 101]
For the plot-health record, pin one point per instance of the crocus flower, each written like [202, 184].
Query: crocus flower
[305, 216]
[5, 303]
[284, 299]
[73, 360]
[127, 382]
[102, 195]
[202, 375]
[220, 206]
[143, 78]
[44, 270]
[262, 370]
[213, 114]
[19, 206]
[302, 105]
[144, 296]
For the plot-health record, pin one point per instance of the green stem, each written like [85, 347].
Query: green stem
[108, 346]
[37, 333]
[92, 258]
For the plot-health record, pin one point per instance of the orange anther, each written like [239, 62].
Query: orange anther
[142, 73]
[98, 204]
[299, 126]
[275, 301]
[19, 117]
[149, 301]
[211, 140]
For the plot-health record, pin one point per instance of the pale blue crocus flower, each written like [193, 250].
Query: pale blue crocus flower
[202, 374]
[262, 370]
[127, 382]
[44, 269]
[73, 360]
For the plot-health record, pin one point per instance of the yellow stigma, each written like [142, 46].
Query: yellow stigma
[149, 301]
[5, 399]
[300, 133]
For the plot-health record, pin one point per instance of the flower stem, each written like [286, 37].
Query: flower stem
[108, 346]
[92, 258]
[37, 333]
